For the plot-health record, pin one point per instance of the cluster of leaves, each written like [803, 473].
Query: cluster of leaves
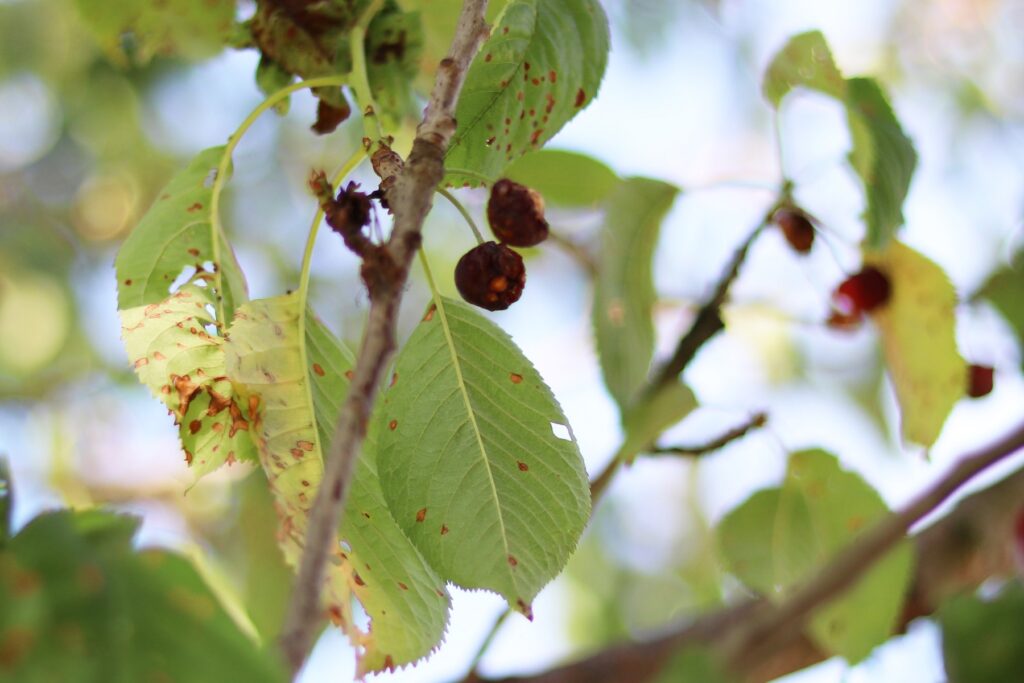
[462, 478]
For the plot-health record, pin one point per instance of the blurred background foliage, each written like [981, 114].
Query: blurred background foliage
[86, 143]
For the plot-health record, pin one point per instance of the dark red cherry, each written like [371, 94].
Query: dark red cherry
[864, 292]
[490, 276]
[980, 380]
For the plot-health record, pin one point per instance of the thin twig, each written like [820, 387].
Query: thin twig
[485, 644]
[709, 318]
[955, 554]
[755, 422]
[385, 272]
[575, 250]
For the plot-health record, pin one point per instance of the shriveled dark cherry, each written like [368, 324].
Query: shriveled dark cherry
[980, 380]
[490, 276]
[796, 227]
[516, 214]
[864, 292]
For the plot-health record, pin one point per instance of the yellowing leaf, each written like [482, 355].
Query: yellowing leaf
[183, 365]
[295, 385]
[918, 331]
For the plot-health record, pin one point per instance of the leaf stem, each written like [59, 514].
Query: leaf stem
[465, 214]
[223, 169]
[471, 674]
[360, 83]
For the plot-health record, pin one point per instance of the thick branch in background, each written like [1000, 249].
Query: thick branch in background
[954, 555]
[409, 199]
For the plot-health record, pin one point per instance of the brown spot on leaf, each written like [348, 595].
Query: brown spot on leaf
[444, 529]
[141, 362]
[523, 467]
[552, 76]
[421, 514]
[581, 97]
[393, 425]
[358, 579]
[194, 426]
[195, 207]
[334, 612]
[536, 136]
[430, 313]
[193, 251]
[512, 561]
[515, 377]
[188, 456]
[128, 282]
[366, 514]
[394, 378]
[305, 445]
[487, 57]
[389, 663]
[403, 586]
[318, 369]
[349, 375]
[296, 453]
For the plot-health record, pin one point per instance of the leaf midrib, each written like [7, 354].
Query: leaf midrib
[464, 392]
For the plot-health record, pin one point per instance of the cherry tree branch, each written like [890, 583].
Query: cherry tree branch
[756, 421]
[385, 270]
[956, 554]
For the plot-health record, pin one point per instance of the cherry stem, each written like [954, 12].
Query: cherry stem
[462, 210]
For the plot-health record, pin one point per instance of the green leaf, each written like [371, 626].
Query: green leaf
[295, 385]
[183, 366]
[271, 77]
[1005, 290]
[469, 462]
[883, 157]
[624, 293]
[645, 421]
[133, 31]
[394, 42]
[805, 61]
[542, 64]
[779, 538]
[982, 641]
[918, 334]
[176, 233]
[565, 178]
[81, 605]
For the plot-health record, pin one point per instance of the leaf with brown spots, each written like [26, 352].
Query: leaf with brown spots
[510, 97]
[183, 366]
[779, 538]
[296, 412]
[177, 233]
[455, 472]
[918, 332]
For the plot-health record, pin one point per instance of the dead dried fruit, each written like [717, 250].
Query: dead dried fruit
[796, 227]
[490, 276]
[516, 214]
